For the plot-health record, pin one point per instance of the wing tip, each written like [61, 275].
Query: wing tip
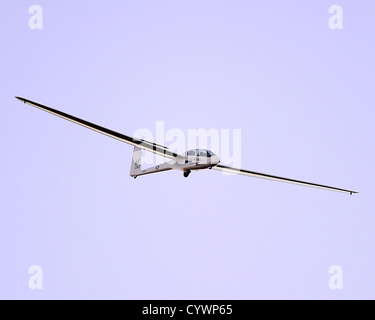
[20, 98]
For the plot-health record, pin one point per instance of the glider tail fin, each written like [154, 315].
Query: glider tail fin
[136, 165]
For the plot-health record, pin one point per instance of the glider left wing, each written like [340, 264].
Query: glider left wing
[140, 143]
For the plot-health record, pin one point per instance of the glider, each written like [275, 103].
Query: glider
[192, 160]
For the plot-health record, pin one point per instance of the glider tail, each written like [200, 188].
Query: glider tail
[136, 165]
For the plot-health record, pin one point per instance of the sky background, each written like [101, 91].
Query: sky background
[301, 93]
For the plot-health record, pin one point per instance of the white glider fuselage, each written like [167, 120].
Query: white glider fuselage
[194, 160]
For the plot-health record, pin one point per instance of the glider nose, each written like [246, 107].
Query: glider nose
[215, 160]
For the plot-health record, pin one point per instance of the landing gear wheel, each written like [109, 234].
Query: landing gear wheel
[186, 173]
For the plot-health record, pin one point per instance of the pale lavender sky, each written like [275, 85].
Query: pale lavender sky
[302, 94]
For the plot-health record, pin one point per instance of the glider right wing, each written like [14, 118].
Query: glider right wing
[276, 178]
